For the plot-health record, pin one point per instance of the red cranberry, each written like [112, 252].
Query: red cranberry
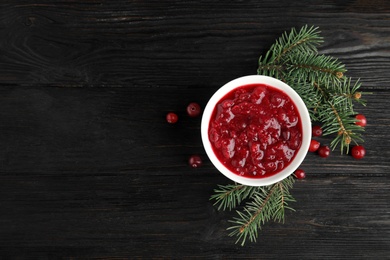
[172, 118]
[300, 174]
[316, 130]
[358, 152]
[193, 109]
[195, 161]
[314, 145]
[362, 121]
[323, 151]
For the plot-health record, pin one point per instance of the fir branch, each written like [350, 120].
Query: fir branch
[305, 40]
[309, 94]
[268, 203]
[230, 196]
[272, 70]
[313, 67]
[342, 123]
[294, 59]
[347, 94]
[353, 93]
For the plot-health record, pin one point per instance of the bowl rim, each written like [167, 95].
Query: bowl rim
[305, 121]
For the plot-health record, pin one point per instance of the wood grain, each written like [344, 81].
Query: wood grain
[112, 42]
[89, 169]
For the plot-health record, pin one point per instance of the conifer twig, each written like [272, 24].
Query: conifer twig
[229, 196]
[268, 203]
[294, 58]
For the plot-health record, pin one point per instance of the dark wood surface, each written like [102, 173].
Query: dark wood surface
[90, 169]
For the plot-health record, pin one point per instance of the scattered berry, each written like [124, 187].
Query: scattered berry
[323, 151]
[172, 118]
[314, 145]
[300, 174]
[193, 109]
[362, 121]
[316, 130]
[358, 152]
[195, 161]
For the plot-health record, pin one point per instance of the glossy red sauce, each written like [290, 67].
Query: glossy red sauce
[255, 130]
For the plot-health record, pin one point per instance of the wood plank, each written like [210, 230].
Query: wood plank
[168, 43]
[70, 130]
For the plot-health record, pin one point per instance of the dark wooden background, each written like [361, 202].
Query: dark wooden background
[90, 169]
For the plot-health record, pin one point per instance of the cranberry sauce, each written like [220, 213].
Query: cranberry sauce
[255, 130]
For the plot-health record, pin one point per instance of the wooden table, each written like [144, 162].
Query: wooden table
[90, 169]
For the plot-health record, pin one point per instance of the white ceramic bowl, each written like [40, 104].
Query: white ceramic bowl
[305, 121]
